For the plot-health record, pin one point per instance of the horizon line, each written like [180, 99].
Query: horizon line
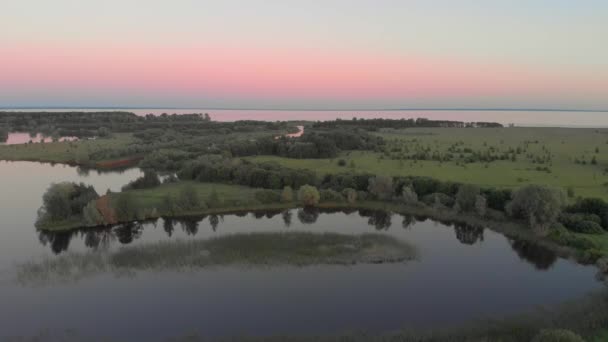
[498, 109]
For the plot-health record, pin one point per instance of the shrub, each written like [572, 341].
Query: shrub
[287, 195]
[467, 197]
[581, 223]
[591, 206]
[350, 195]
[557, 335]
[267, 196]
[342, 162]
[497, 199]
[438, 197]
[331, 196]
[381, 187]
[308, 195]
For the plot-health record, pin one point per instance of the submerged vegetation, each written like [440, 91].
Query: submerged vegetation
[254, 249]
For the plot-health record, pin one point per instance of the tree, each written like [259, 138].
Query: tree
[466, 197]
[309, 195]
[381, 187]
[56, 202]
[481, 205]
[91, 216]
[350, 194]
[287, 195]
[409, 196]
[537, 204]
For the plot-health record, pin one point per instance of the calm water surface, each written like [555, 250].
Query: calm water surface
[463, 273]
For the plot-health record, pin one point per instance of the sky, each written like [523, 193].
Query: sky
[309, 54]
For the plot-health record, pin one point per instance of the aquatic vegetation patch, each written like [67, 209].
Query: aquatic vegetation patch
[253, 249]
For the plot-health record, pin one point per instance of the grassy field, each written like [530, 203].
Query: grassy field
[153, 197]
[562, 145]
[63, 152]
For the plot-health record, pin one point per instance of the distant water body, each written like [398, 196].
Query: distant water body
[542, 118]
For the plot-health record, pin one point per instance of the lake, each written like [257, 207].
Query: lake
[544, 118]
[15, 138]
[462, 274]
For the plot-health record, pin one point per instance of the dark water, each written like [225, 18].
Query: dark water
[464, 273]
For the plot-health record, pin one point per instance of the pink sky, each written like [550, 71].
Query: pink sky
[221, 71]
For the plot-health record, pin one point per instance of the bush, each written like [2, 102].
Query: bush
[350, 195]
[331, 196]
[466, 197]
[342, 162]
[591, 206]
[287, 195]
[557, 335]
[308, 195]
[581, 223]
[267, 196]
[381, 187]
[438, 197]
[497, 199]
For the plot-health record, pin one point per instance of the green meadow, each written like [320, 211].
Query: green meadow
[560, 157]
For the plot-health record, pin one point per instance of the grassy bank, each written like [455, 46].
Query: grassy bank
[254, 249]
[69, 152]
[148, 203]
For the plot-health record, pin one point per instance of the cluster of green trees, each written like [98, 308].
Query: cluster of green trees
[150, 179]
[215, 168]
[375, 124]
[65, 201]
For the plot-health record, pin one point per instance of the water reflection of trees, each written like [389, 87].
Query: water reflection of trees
[308, 215]
[287, 217]
[468, 235]
[379, 219]
[542, 258]
[99, 238]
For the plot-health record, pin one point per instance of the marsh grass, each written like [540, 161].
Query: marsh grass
[249, 250]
